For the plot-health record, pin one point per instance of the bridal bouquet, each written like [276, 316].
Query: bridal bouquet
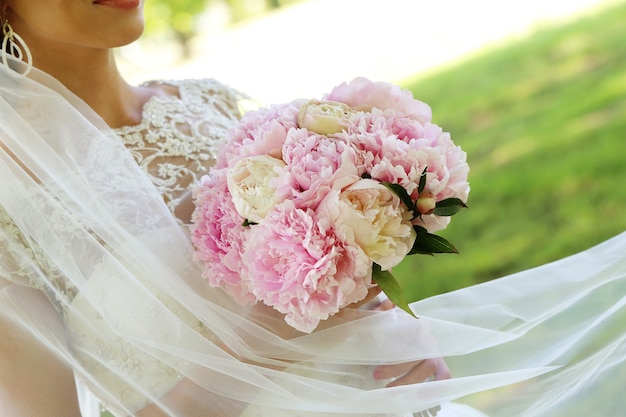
[312, 202]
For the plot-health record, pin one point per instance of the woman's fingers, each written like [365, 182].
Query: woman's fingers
[413, 372]
[410, 372]
[442, 372]
[384, 305]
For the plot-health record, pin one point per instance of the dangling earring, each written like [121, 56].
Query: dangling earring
[13, 45]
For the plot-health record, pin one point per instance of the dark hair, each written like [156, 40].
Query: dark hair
[3, 19]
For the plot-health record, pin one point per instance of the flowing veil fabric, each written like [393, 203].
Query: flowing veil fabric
[90, 231]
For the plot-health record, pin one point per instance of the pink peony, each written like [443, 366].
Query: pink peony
[398, 149]
[364, 94]
[316, 164]
[260, 132]
[218, 236]
[302, 268]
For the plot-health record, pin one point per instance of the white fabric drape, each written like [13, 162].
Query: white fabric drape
[92, 233]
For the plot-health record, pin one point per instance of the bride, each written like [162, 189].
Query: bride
[101, 301]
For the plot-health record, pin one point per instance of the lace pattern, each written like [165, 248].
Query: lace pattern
[179, 137]
[175, 144]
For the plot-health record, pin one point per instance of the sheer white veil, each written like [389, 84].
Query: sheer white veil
[91, 232]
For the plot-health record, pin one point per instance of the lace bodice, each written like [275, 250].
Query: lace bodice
[175, 144]
[178, 137]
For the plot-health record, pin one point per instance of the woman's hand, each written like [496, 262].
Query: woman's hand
[413, 372]
[410, 372]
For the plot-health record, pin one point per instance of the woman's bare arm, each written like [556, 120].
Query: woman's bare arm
[33, 381]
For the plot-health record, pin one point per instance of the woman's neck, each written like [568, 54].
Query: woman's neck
[94, 77]
[88, 69]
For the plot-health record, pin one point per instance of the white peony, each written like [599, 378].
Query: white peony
[324, 117]
[249, 183]
[373, 217]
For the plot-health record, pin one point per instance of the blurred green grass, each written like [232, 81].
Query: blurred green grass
[543, 121]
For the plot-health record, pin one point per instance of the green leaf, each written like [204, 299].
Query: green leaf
[429, 244]
[449, 207]
[247, 223]
[422, 183]
[404, 196]
[390, 286]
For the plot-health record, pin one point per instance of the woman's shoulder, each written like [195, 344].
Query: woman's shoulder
[198, 89]
[200, 96]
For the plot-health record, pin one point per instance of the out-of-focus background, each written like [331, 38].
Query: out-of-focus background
[534, 91]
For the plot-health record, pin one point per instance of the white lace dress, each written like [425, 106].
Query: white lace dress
[178, 138]
[175, 144]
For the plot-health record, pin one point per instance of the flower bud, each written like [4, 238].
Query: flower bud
[426, 203]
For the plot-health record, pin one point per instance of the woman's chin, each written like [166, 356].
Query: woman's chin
[126, 37]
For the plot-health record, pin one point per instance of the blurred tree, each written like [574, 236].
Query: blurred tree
[178, 17]
[175, 16]
[272, 4]
[238, 9]
[242, 9]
